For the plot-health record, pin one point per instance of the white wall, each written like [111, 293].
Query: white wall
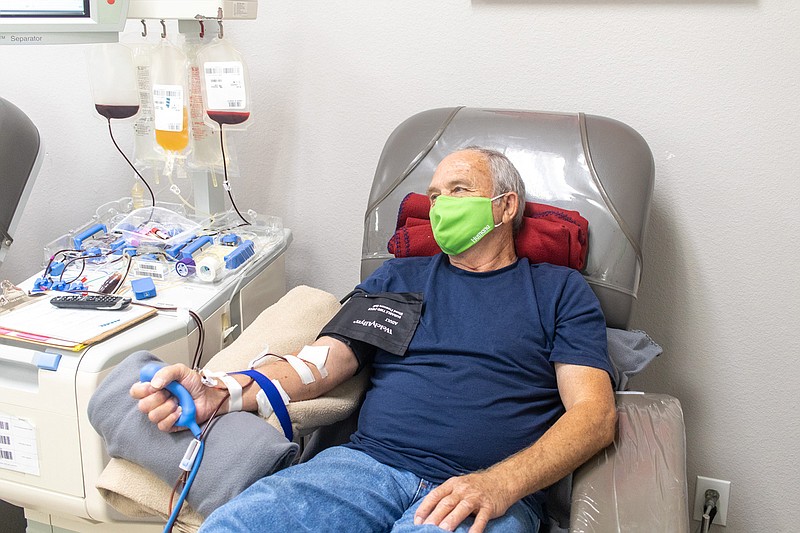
[713, 86]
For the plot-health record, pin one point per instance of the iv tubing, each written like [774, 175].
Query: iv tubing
[177, 509]
[111, 133]
[226, 182]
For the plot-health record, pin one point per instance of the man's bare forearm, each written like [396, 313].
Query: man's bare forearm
[579, 434]
[341, 365]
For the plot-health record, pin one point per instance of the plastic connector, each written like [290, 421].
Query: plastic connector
[230, 240]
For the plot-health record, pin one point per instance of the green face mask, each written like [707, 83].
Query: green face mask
[459, 222]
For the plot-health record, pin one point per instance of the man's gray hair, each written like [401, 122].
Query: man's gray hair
[505, 178]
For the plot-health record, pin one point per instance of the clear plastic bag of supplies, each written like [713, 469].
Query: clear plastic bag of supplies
[155, 226]
[225, 85]
[113, 79]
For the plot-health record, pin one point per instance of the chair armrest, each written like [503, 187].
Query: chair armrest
[637, 484]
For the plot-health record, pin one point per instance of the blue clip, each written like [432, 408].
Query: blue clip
[240, 255]
[117, 246]
[77, 240]
[56, 268]
[192, 247]
[42, 284]
[174, 251]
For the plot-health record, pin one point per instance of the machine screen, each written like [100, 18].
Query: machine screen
[44, 8]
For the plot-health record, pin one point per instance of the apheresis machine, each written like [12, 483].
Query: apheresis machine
[177, 267]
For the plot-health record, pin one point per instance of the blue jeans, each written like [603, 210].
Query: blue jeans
[344, 490]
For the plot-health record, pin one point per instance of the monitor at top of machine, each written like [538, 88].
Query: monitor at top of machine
[30, 22]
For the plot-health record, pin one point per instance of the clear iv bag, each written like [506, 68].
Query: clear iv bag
[206, 153]
[225, 85]
[170, 97]
[144, 136]
[113, 79]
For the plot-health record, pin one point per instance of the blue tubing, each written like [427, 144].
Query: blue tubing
[186, 487]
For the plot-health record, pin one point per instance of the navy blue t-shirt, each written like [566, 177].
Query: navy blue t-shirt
[477, 383]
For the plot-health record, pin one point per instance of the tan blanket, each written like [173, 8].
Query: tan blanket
[288, 325]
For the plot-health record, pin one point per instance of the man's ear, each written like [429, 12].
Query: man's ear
[510, 207]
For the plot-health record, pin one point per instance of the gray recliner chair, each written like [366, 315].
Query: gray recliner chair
[604, 170]
[20, 157]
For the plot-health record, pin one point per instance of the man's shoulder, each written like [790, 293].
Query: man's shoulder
[558, 279]
[553, 271]
[410, 264]
[402, 271]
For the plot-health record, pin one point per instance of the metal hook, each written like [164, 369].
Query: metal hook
[221, 32]
[163, 29]
[144, 28]
[202, 29]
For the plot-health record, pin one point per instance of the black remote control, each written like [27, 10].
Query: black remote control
[91, 301]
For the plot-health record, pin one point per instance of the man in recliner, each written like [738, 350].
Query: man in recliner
[502, 388]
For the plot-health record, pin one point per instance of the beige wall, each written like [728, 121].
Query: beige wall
[714, 87]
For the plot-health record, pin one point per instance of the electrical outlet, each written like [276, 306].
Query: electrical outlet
[724, 489]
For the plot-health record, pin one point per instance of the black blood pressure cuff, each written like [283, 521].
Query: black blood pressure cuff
[385, 320]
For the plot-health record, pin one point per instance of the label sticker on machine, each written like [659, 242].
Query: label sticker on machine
[18, 445]
[225, 85]
[168, 107]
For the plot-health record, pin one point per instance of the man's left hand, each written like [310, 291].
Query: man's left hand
[450, 503]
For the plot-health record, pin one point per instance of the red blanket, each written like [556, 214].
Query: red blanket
[548, 234]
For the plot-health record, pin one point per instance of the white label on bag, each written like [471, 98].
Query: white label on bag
[18, 445]
[225, 85]
[168, 107]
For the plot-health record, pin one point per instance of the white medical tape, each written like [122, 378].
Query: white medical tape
[235, 391]
[317, 356]
[264, 407]
[284, 395]
[183, 315]
[259, 358]
[209, 379]
[305, 373]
